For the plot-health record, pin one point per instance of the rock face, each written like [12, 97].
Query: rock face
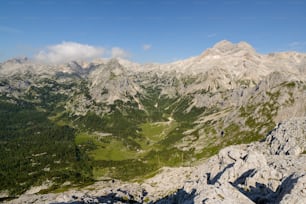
[289, 138]
[271, 171]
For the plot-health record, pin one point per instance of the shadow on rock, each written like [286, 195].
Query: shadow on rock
[261, 193]
[286, 186]
[110, 199]
[218, 176]
[241, 179]
[180, 197]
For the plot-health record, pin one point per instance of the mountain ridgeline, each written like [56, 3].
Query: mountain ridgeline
[71, 124]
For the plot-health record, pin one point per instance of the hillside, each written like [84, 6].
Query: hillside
[270, 171]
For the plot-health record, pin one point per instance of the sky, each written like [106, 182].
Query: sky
[146, 30]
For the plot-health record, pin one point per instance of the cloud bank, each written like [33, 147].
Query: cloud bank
[69, 51]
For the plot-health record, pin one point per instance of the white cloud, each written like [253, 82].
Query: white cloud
[119, 52]
[146, 47]
[68, 51]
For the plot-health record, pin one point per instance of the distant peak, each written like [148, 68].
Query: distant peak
[222, 44]
[245, 45]
[114, 61]
[227, 46]
[18, 60]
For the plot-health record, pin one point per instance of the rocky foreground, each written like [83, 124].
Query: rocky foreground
[271, 171]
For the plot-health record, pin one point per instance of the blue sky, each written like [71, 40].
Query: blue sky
[147, 30]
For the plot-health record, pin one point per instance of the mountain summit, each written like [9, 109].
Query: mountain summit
[225, 46]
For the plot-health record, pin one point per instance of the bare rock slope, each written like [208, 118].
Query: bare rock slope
[272, 171]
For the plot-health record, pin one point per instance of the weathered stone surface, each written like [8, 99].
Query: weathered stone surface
[289, 138]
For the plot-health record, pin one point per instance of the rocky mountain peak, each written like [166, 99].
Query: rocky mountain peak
[75, 66]
[228, 49]
[245, 46]
[18, 60]
[115, 67]
[225, 46]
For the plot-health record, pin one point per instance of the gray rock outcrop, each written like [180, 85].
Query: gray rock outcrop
[272, 171]
[289, 138]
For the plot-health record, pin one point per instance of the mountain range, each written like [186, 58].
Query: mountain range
[66, 126]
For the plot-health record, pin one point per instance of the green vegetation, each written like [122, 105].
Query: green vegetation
[155, 132]
[115, 150]
[139, 141]
[33, 149]
[40, 140]
[289, 84]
